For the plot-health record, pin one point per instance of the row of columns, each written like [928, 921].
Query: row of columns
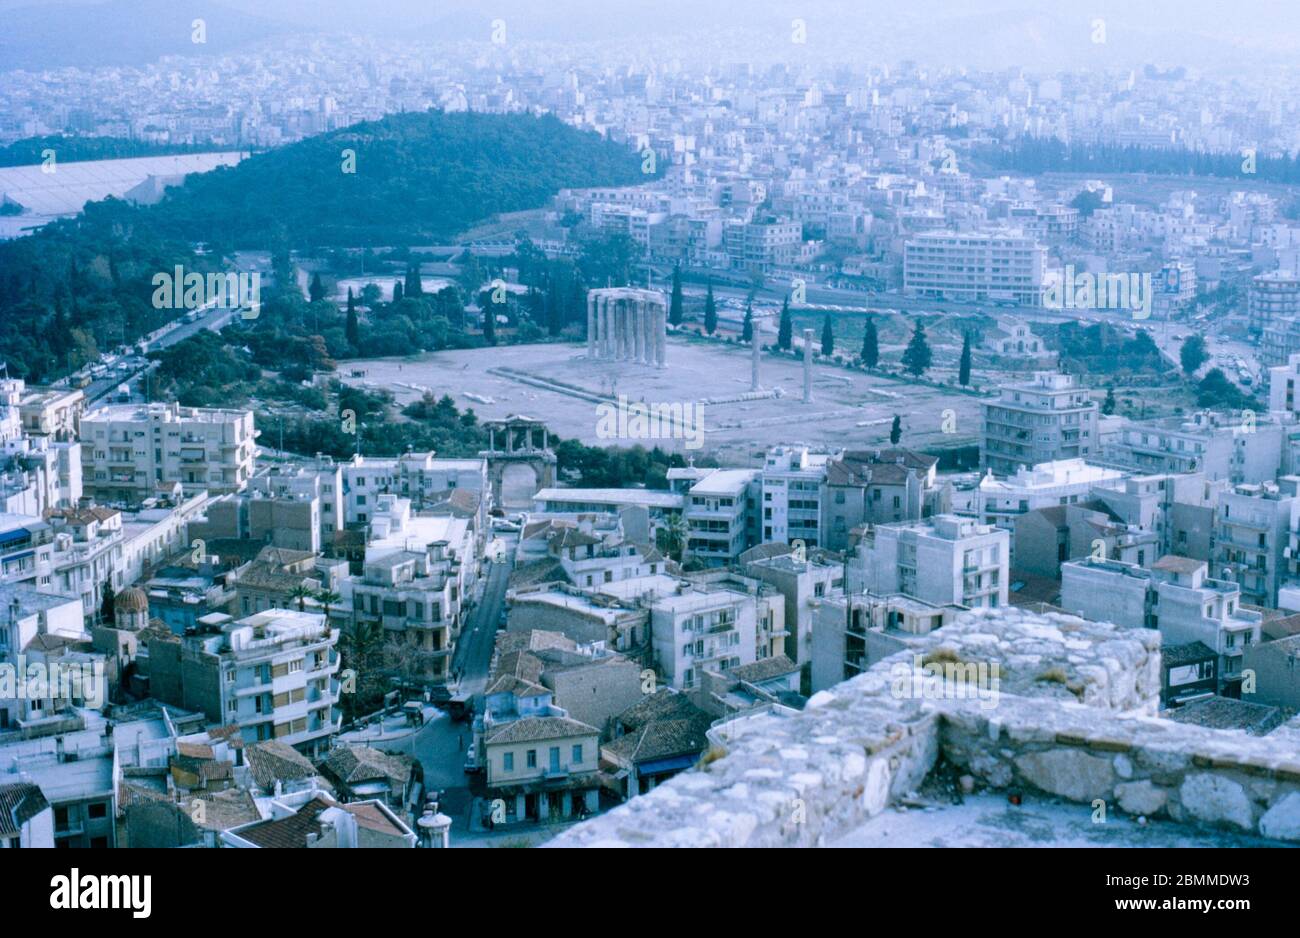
[623, 327]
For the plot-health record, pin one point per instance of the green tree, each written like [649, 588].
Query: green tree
[870, 344]
[490, 324]
[917, 356]
[1193, 354]
[747, 331]
[397, 292]
[963, 369]
[785, 330]
[352, 328]
[1108, 405]
[828, 336]
[414, 285]
[710, 312]
[675, 304]
[316, 289]
[896, 430]
[300, 594]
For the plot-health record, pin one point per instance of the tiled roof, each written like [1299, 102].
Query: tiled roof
[530, 729]
[292, 831]
[272, 761]
[19, 803]
[765, 670]
[351, 765]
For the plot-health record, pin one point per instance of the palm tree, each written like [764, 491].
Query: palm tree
[327, 598]
[301, 593]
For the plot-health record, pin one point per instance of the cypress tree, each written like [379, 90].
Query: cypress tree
[675, 305]
[870, 344]
[710, 312]
[747, 333]
[917, 355]
[785, 332]
[828, 336]
[896, 431]
[963, 370]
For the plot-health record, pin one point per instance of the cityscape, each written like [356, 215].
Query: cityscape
[803, 426]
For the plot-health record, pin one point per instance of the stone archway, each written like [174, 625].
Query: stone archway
[519, 483]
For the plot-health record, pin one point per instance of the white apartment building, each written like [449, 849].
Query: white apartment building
[128, 450]
[718, 511]
[39, 474]
[26, 550]
[1176, 596]
[1046, 419]
[1282, 380]
[1252, 538]
[793, 481]
[975, 267]
[26, 613]
[1061, 482]
[941, 560]
[273, 674]
[419, 477]
[694, 627]
[1219, 445]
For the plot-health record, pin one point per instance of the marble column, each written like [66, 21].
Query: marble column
[753, 357]
[638, 331]
[661, 334]
[807, 365]
[591, 325]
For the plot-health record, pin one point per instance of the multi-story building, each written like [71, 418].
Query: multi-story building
[718, 511]
[420, 477]
[1176, 596]
[1274, 297]
[696, 626]
[1253, 538]
[52, 412]
[129, 449]
[762, 244]
[1282, 382]
[975, 267]
[803, 582]
[1043, 420]
[945, 559]
[877, 487]
[1219, 445]
[412, 595]
[1062, 482]
[26, 550]
[28, 614]
[853, 631]
[272, 674]
[792, 491]
[87, 559]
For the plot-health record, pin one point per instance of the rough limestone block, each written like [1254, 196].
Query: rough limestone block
[1217, 800]
[1140, 798]
[1282, 821]
[1069, 773]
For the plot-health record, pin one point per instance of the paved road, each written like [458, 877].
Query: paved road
[474, 647]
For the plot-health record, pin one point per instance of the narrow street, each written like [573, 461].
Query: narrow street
[441, 744]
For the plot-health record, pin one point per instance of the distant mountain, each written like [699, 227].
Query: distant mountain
[419, 178]
[123, 32]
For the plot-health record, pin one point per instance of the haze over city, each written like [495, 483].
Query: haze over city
[791, 425]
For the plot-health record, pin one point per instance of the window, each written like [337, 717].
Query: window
[530, 758]
[97, 811]
[508, 762]
[577, 753]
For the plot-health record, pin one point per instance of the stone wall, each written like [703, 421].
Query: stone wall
[1072, 717]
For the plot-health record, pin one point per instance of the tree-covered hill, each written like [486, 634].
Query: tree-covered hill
[418, 179]
[83, 285]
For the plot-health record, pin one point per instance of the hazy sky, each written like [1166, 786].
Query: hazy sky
[1038, 34]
